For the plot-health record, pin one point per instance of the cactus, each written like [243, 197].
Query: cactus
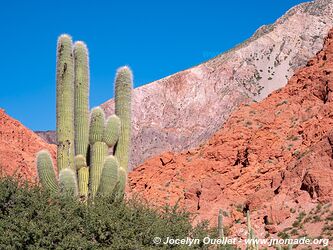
[65, 105]
[253, 245]
[80, 162]
[112, 130]
[220, 232]
[98, 153]
[67, 182]
[122, 178]
[81, 98]
[109, 176]
[83, 181]
[97, 120]
[45, 170]
[83, 147]
[123, 92]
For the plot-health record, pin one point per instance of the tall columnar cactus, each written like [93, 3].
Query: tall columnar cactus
[68, 182]
[81, 98]
[220, 232]
[45, 170]
[109, 176]
[65, 104]
[123, 92]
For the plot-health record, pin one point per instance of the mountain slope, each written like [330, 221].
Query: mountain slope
[181, 111]
[271, 157]
[18, 148]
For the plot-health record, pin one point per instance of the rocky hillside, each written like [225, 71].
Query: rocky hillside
[274, 157]
[18, 147]
[185, 109]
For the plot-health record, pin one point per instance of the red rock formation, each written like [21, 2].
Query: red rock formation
[269, 157]
[18, 148]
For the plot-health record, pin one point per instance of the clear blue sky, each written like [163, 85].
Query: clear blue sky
[155, 38]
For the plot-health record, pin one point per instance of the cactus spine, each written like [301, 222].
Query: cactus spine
[109, 176]
[123, 92]
[220, 232]
[65, 105]
[81, 98]
[45, 170]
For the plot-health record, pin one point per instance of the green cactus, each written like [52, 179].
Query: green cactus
[45, 170]
[123, 95]
[80, 162]
[67, 182]
[65, 104]
[109, 176]
[98, 153]
[97, 121]
[112, 130]
[220, 232]
[81, 98]
[83, 181]
[122, 179]
[250, 232]
[79, 143]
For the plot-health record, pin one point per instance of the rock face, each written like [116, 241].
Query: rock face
[272, 157]
[18, 148]
[185, 109]
[48, 136]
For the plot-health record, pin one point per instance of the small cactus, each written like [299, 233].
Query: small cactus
[220, 232]
[65, 104]
[122, 178]
[112, 130]
[123, 92]
[80, 162]
[67, 182]
[45, 170]
[98, 153]
[83, 179]
[250, 232]
[109, 176]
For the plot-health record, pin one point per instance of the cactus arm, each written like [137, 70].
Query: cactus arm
[45, 171]
[83, 181]
[112, 130]
[68, 182]
[99, 151]
[109, 176]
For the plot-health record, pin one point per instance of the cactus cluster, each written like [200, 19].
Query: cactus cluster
[84, 141]
[250, 234]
